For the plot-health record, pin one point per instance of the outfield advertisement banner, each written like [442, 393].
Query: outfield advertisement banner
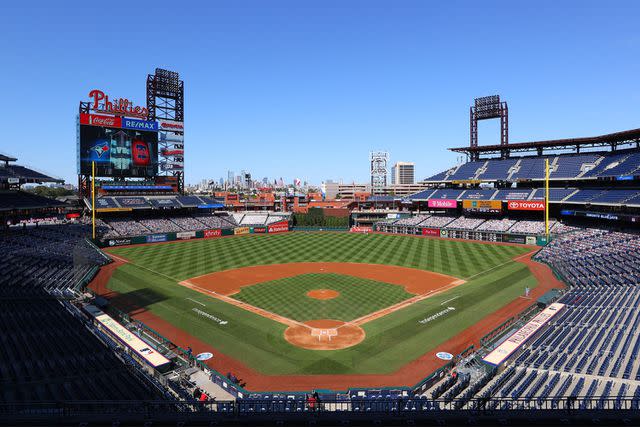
[525, 205]
[185, 235]
[431, 232]
[119, 242]
[157, 238]
[241, 230]
[259, 230]
[508, 347]
[514, 238]
[212, 233]
[442, 203]
[278, 227]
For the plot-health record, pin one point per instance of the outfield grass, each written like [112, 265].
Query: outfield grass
[287, 297]
[392, 341]
[183, 260]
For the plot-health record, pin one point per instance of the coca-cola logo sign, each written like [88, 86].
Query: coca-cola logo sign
[526, 205]
[100, 102]
[98, 120]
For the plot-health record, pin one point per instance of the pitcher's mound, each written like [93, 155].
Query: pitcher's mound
[324, 335]
[323, 294]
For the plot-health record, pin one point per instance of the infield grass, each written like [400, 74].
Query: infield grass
[288, 297]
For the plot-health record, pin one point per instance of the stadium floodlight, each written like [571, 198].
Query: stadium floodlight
[484, 108]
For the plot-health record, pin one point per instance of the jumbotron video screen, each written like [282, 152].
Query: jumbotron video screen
[118, 152]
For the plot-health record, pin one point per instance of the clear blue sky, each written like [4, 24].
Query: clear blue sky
[307, 88]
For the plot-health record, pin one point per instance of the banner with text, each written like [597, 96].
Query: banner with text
[525, 205]
[442, 203]
[278, 227]
[431, 232]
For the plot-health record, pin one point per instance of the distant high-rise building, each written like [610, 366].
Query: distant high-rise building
[378, 161]
[403, 173]
[230, 177]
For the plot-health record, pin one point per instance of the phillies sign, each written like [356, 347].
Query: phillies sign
[525, 205]
[121, 107]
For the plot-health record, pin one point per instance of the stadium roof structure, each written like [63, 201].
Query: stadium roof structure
[612, 140]
[5, 159]
[16, 174]
[11, 200]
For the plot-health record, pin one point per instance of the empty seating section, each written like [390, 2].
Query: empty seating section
[530, 168]
[422, 195]
[437, 221]
[591, 348]
[116, 227]
[106, 202]
[446, 194]
[497, 169]
[466, 171]
[556, 195]
[412, 221]
[250, 219]
[562, 166]
[160, 225]
[165, 202]
[463, 223]
[595, 258]
[216, 221]
[189, 201]
[572, 165]
[132, 202]
[496, 225]
[412, 225]
[47, 350]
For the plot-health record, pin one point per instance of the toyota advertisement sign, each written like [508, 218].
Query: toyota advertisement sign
[525, 205]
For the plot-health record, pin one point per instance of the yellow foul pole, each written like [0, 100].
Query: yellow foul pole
[93, 200]
[546, 198]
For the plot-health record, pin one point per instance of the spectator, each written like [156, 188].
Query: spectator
[311, 403]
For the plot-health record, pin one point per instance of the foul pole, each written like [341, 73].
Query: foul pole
[93, 200]
[546, 198]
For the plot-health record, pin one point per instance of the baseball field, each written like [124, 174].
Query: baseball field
[314, 304]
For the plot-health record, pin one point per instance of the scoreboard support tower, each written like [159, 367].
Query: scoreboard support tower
[165, 100]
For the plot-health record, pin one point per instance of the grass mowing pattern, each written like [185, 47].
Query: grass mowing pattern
[391, 341]
[287, 297]
[184, 260]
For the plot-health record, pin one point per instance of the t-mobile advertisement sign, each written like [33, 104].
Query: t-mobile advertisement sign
[443, 203]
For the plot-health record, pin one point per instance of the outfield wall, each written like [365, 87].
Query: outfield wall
[278, 227]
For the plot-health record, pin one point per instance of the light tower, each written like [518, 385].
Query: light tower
[489, 107]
